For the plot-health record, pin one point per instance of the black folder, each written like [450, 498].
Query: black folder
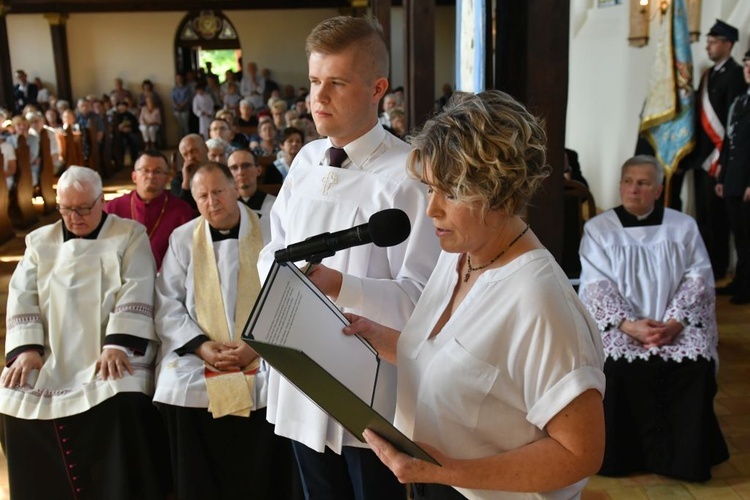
[353, 412]
[333, 397]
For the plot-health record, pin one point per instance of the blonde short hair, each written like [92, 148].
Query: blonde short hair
[483, 148]
[337, 34]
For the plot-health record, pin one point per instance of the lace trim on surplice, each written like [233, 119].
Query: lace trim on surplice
[136, 308]
[22, 319]
[693, 304]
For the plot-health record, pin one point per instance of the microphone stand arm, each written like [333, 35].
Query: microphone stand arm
[314, 260]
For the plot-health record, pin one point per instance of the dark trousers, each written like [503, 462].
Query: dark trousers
[228, 457]
[711, 216]
[739, 221]
[356, 474]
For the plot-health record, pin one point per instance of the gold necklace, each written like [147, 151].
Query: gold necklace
[468, 257]
[158, 220]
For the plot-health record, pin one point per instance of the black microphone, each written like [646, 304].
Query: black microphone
[385, 228]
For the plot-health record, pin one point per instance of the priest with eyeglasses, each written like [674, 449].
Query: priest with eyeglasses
[151, 204]
[76, 390]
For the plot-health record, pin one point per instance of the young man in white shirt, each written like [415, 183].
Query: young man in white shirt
[348, 69]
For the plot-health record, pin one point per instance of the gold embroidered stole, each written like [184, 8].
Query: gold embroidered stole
[229, 393]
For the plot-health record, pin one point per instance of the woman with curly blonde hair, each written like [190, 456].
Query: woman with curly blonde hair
[499, 367]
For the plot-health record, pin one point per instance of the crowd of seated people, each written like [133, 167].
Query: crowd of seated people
[116, 127]
[103, 132]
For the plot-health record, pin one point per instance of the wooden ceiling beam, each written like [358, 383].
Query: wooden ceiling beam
[85, 6]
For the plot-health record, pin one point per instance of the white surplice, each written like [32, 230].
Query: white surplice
[180, 380]
[68, 296]
[659, 272]
[382, 284]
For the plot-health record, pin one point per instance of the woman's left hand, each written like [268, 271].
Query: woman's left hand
[408, 469]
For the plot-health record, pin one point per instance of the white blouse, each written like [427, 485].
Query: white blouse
[518, 349]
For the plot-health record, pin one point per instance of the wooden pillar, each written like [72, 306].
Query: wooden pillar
[381, 10]
[489, 54]
[6, 73]
[419, 23]
[59, 36]
[532, 65]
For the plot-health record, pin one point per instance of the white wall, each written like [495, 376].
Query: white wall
[103, 47]
[608, 83]
[136, 46]
[30, 45]
[133, 58]
[275, 39]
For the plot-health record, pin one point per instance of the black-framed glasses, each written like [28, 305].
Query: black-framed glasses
[243, 166]
[81, 211]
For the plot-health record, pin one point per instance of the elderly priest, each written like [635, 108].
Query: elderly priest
[646, 280]
[76, 390]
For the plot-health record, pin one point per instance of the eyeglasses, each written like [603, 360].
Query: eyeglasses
[81, 211]
[243, 166]
[156, 171]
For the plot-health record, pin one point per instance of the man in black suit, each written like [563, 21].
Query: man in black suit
[24, 92]
[719, 86]
[734, 186]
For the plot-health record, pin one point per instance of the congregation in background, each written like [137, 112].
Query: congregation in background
[518, 385]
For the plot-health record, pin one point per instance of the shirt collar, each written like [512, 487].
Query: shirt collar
[653, 218]
[156, 201]
[360, 149]
[254, 202]
[720, 64]
[67, 235]
[643, 217]
[219, 235]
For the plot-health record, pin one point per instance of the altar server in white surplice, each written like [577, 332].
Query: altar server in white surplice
[211, 387]
[647, 281]
[334, 184]
[76, 390]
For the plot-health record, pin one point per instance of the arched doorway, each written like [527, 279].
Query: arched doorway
[203, 31]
